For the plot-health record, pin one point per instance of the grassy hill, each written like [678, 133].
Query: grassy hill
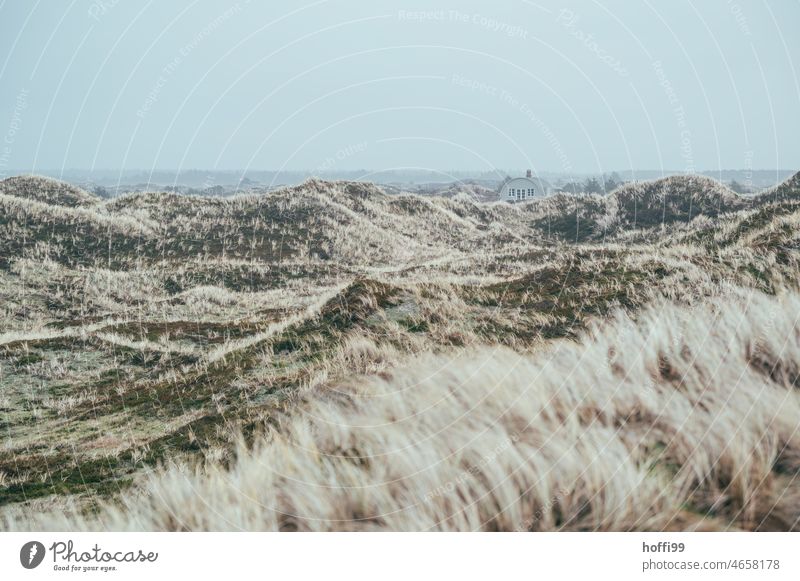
[158, 329]
[48, 191]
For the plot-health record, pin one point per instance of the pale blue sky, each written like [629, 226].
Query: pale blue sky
[566, 86]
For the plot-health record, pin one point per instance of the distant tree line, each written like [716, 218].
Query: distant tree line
[608, 183]
[739, 188]
[592, 185]
[101, 192]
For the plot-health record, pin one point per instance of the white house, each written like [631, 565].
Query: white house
[517, 189]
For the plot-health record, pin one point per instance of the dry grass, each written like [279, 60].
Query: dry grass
[152, 328]
[686, 418]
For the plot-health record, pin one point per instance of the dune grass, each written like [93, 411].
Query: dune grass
[682, 419]
[157, 330]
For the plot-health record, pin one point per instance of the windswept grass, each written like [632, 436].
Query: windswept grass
[160, 330]
[685, 418]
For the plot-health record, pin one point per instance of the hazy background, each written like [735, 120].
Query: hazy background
[327, 86]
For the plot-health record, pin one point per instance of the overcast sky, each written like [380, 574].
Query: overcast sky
[567, 86]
